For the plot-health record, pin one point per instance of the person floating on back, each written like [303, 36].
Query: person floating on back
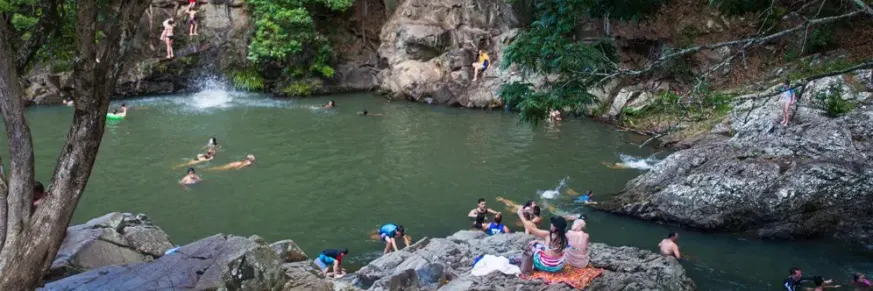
[192, 21]
[331, 258]
[190, 178]
[481, 65]
[167, 36]
[788, 98]
[247, 161]
[200, 158]
[389, 233]
[668, 246]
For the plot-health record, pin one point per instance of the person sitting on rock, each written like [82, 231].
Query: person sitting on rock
[190, 178]
[192, 21]
[547, 256]
[389, 233]
[481, 208]
[334, 258]
[788, 98]
[577, 254]
[669, 247]
[496, 227]
[481, 65]
[167, 36]
[247, 161]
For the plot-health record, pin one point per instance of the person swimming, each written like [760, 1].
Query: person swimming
[190, 178]
[212, 143]
[247, 161]
[331, 104]
[479, 221]
[200, 158]
[389, 233]
[365, 113]
[496, 226]
[586, 198]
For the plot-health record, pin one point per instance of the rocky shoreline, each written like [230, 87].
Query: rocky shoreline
[122, 251]
[752, 176]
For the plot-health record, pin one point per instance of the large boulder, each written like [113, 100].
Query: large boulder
[814, 177]
[219, 262]
[429, 47]
[445, 264]
[112, 239]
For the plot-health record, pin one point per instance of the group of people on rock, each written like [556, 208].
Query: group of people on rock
[167, 36]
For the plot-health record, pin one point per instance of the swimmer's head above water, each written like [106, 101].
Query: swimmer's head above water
[250, 158]
[363, 112]
[213, 141]
[191, 171]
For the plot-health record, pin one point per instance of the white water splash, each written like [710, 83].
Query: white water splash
[637, 163]
[212, 95]
[554, 193]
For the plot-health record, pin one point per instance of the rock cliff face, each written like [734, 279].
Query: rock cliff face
[812, 178]
[227, 262]
[429, 47]
[445, 263]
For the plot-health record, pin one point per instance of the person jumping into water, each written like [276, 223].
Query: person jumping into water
[481, 65]
[331, 104]
[331, 259]
[247, 161]
[192, 21]
[389, 233]
[167, 36]
[190, 178]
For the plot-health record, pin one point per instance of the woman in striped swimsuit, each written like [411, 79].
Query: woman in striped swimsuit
[548, 257]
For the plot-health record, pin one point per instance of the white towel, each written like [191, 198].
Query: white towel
[490, 263]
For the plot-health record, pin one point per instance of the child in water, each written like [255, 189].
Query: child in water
[190, 178]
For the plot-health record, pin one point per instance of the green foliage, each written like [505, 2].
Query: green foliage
[812, 67]
[285, 36]
[739, 7]
[625, 10]
[248, 79]
[298, 88]
[820, 39]
[832, 100]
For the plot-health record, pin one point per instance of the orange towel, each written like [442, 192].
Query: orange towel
[576, 277]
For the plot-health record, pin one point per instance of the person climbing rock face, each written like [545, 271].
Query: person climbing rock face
[481, 65]
[192, 21]
[167, 36]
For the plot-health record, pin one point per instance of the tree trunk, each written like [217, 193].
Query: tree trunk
[32, 241]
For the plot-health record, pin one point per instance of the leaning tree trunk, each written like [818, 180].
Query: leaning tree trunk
[30, 241]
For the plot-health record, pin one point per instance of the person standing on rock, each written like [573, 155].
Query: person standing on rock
[192, 21]
[191, 4]
[167, 36]
[481, 65]
[329, 258]
[389, 233]
[788, 98]
[668, 246]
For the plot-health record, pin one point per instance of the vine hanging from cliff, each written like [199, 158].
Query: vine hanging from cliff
[285, 38]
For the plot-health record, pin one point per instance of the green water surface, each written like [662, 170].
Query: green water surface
[326, 178]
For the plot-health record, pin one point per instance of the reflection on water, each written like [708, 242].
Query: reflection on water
[327, 177]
